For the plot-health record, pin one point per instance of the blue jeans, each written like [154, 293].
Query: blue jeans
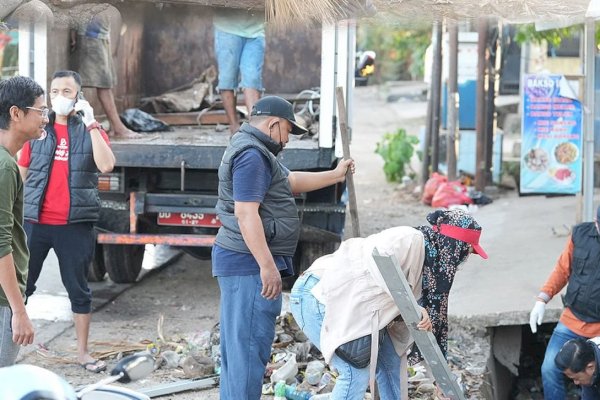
[239, 55]
[247, 322]
[553, 379]
[352, 382]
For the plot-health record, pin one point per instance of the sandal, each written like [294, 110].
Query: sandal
[95, 366]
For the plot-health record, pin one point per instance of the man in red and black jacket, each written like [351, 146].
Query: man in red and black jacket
[61, 198]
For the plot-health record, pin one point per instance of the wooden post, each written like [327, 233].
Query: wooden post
[436, 93]
[343, 121]
[480, 125]
[452, 102]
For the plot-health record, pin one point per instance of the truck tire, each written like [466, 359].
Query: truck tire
[199, 253]
[123, 262]
[97, 270]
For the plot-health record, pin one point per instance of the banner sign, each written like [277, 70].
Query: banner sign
[551, 145]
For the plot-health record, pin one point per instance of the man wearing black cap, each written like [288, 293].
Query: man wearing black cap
[576, 268]
[258, 237]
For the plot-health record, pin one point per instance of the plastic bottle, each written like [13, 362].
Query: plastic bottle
[322, 396]
[314, 372]
[291, 393]
[280, 391]
[287, 372]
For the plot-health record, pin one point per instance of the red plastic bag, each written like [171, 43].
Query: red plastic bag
[449, 194]
[431, 186]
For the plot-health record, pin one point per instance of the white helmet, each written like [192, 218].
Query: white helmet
[28, 382]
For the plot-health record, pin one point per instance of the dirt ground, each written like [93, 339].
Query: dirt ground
[186, 295]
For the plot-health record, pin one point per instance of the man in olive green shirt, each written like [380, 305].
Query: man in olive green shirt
[23, 115]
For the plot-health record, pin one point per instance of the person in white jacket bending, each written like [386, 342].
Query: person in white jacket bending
[342, 297]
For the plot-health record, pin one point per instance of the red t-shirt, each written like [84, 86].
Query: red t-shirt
[57, 201]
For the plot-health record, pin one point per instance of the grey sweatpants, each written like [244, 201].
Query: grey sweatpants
[8, 348]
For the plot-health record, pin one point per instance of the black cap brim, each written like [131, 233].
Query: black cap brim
[297, 129]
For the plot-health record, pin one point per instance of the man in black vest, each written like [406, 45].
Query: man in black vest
[578, 360]
[255, 245]
[577, 266]
[61, 198]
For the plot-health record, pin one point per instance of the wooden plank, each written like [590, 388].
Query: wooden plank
[187, 118]
[411, 314]
[212, 117]
[352, 203]
[180, 386]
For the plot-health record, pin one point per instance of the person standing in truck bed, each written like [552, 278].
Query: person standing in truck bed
[92, 58]
[240, 52]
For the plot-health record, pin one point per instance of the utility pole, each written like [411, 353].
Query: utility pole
[588, 118]
[480, 176]
[427, 153]
[452, 101]
[436, 90]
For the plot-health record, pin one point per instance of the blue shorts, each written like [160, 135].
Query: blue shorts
[237, 55]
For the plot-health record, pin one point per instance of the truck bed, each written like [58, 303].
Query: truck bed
[203, 147]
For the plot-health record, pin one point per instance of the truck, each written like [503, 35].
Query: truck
[163, 189]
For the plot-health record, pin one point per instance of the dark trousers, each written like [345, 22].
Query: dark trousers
[74, 247]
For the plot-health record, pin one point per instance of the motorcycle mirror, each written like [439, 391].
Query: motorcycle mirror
[134, 367]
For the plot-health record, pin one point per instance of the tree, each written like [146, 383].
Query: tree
[400, 52]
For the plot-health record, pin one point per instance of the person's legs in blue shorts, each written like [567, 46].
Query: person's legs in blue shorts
[251, 64]
[228, 50]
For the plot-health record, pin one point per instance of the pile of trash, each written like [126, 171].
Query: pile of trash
[298, 370]
[441, 193]
[295, 371]
[297, 364]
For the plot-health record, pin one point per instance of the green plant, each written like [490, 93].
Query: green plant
[400, 51]
[397, 149]
[554, 37]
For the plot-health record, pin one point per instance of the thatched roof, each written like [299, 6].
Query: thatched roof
[304, 11]
[289, 13]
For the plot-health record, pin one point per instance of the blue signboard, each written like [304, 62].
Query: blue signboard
[551, 149]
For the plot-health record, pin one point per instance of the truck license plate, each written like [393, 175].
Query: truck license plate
[189, 219]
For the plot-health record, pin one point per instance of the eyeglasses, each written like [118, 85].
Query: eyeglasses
[43, 111]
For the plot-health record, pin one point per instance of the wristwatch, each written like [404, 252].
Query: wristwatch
[93, 125]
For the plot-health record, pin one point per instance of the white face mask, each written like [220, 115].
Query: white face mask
[61, 105]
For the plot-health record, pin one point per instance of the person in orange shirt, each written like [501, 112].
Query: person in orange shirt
[577, 266]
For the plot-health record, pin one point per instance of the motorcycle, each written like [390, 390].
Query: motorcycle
[365, 67]
[29, 382]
